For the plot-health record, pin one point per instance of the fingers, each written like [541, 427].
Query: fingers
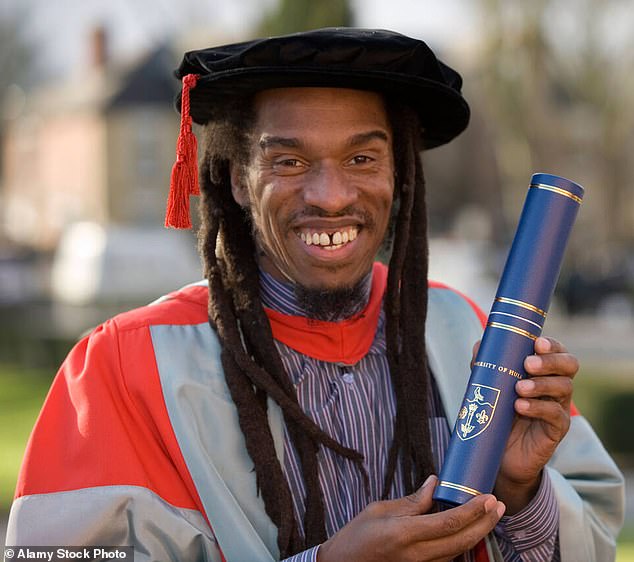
[545, 344]
[556, 416]
[546, 398]
[454, 531]
[555, 388]
[484, 508]
[415, 504]
[421, 500]
[551, 358]
[404, 530]
[551, 371]
[563, 364]
[553, 412]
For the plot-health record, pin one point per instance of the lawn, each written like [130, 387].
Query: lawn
[21, 396]
[625, 553]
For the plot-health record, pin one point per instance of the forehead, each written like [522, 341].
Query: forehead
[308, 109]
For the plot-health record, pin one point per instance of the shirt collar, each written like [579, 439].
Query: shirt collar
[280, 296]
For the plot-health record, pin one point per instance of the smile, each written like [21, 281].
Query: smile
[329, 241]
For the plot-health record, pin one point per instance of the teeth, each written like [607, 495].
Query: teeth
[327, 241]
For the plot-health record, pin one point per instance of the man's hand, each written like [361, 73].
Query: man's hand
[543, 405]
[402, 530]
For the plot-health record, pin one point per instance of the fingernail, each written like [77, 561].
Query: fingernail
[429, 479]
[501, 509]
[522, 405]
[526, 385]
[533, 362]
[544, 343]
[490, 505]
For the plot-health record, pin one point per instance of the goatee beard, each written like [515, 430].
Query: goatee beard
[333, 305]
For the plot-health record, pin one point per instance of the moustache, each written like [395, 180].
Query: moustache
[350, 212]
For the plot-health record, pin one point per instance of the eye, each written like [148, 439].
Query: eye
[289, 166]
[361, 159]
[289, 163]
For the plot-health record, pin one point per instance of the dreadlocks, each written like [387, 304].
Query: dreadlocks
[253, 368]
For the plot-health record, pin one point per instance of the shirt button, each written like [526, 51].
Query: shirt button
[348, 378]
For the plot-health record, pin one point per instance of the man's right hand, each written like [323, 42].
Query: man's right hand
[402, 530]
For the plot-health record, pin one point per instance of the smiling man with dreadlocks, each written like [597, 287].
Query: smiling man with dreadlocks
[296, 404]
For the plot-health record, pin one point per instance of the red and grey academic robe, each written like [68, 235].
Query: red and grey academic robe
[138, 443]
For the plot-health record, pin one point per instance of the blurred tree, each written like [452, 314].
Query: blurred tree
[555, 81]
[300, 15]
[16, 56]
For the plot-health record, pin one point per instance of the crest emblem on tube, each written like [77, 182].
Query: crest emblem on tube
[477, 411]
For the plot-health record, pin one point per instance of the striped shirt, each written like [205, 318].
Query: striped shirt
[355, 404]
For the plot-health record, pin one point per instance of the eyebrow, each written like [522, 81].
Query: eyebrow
[270, 141]
[363, 138]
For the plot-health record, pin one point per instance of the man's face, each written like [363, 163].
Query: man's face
[319, 184]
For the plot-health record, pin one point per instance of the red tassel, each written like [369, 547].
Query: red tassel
[184, 180]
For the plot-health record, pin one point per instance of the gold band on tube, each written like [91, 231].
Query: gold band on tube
[557, 190]
[521, 304]
[516, 317]
[513, 329]
[460, 488]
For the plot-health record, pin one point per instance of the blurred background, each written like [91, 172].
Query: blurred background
[87, 138]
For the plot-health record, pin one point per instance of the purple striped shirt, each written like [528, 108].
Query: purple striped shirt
[356, 405]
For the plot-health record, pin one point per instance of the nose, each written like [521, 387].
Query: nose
[329, 189]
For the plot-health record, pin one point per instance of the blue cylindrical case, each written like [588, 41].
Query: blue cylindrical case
[516, 320]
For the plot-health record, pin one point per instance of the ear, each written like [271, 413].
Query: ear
[239, 189]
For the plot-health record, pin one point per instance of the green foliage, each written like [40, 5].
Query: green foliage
[606, 400]
[617, 421]
[20, 401]
[300, 15]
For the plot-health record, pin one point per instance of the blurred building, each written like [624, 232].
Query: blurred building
[98, 147]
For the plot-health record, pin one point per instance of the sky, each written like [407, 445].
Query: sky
[60, 28]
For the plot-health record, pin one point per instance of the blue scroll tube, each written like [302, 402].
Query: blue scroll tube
[516, 320]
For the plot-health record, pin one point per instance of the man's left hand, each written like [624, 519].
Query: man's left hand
[543, 408]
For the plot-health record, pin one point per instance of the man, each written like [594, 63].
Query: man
[299, 406]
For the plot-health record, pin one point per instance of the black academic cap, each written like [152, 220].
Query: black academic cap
[367, 59]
